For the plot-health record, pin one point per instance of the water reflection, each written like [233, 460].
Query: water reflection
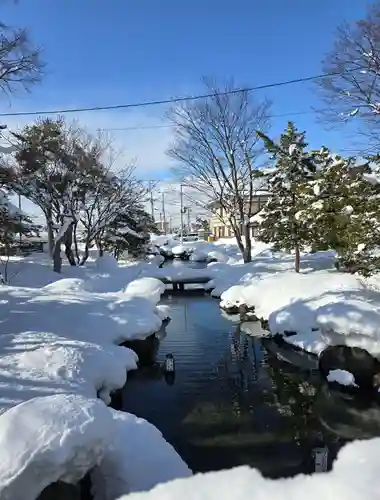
[232, 402]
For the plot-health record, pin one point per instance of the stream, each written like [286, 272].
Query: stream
[231, 402]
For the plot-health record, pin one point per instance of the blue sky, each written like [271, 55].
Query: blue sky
[101, 52]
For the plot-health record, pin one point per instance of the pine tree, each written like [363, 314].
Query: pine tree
[289, 186]
[345, 211]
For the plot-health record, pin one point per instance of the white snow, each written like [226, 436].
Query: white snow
[50, 438]
[178, 272]
[325, 307]
[150, 288]
[373, 178]
[355, 476]
[348, 210]
[59, 351]
[343, 377]
[137, 459]
[179, 249]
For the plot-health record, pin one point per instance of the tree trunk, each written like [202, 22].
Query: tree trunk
[78, 259]
[247, 254]
[297, 259]
[68, 245]
[85, 255]
[100, 248]
[50, 232]
[57, 261]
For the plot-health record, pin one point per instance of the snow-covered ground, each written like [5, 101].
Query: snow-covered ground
[325, 307]
[59, 352]
[60, 359]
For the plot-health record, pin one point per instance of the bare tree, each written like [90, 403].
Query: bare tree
[112, 193]
[353, 89]
[218, 151]
[20, 64]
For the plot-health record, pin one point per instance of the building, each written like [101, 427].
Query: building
[219, 225]
[163, 226]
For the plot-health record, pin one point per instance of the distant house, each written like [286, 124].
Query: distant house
[219, 225]
[163, 226]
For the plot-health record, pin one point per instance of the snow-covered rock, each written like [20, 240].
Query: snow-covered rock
[150, 288]
[179, 250]
[343, 377]
[137, 459]
[49, 439]
[67, 285]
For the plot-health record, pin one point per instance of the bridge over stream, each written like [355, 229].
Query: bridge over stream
[179, 282]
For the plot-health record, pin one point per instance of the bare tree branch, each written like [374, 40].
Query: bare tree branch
[218, 153]
[355, 90]
[20, 64]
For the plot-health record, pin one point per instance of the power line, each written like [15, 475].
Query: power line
[169, 125]
[173, 100]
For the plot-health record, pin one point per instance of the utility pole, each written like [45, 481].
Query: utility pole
[163, 212]
[182, 212]
[20, 213]
[188, 219]
[151, 198]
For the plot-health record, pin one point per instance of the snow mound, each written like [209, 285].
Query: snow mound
[179, 250]
[49, 439]
[106, 263]
[236, 296]
[199, 256]
[137, 459]
[150, 288]
[67, 285]
[163, 311]
[343, 377]
[39, 366]
[218, 256]
[355, 476]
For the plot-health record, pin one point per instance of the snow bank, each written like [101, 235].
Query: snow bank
[150, 288]
[35, 364]
[355, 476]
[137, 459]
[324, 307]
[48, 439]
[59, 352]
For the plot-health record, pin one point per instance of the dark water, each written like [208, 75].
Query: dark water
[232, 402]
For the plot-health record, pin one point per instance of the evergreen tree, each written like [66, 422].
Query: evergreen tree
[129, 231]
[342, 212]
[289, 186]
[14, 224]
